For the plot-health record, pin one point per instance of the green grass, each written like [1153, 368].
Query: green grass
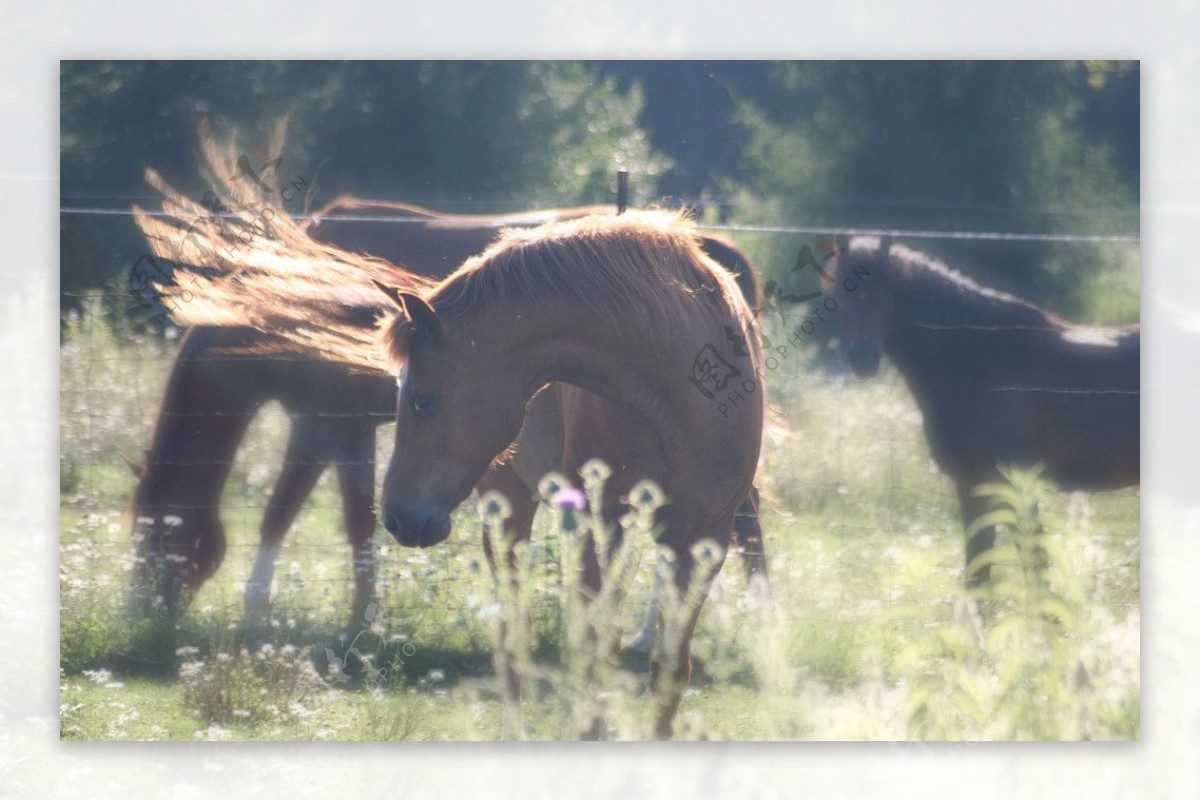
[865, 553]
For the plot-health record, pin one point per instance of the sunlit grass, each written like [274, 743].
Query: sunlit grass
[865, 554]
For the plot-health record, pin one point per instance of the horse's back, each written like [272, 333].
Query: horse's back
[414, 245]
[420, 240]
[1100, 358]
[1067, 399]
[1094, 422]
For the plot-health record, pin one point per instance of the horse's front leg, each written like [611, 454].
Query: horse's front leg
[592, 584]
[302, 466]
[356, 480]
[504, 479]
[747, 545]
[671, 666]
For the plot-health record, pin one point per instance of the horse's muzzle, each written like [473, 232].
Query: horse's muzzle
[417, 525]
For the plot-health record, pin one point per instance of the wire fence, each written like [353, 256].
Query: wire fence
[903, 233]
[848, 481]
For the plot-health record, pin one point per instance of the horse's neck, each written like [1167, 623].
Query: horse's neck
[927, 359]
[190, 458]
[587, 348]
[602, 358]
[205, 410]
[704, 455]
[706, 458]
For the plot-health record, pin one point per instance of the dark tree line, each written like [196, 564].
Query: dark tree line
[1007, 146]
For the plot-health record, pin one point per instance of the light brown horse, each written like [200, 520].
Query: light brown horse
[617, 306]
[999, 381]
[220, 380]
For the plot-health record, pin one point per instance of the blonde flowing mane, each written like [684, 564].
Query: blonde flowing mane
[254, 265]
[645, 269]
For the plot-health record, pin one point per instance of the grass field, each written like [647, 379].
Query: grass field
[868, 635]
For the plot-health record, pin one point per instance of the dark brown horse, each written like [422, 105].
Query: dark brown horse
[999, 381]
[213, 393]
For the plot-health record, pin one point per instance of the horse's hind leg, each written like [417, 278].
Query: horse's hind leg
[748, 544]
[301, 469]
[503, 478]
[356, 480]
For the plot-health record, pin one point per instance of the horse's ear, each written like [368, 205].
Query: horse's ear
[392, 293]
[138, 470]
[420, 314]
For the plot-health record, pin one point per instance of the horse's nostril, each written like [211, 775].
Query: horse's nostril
[403, 525]
[434, 531]
[417, 525]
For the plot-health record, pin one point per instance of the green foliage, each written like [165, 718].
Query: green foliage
[1006, 146]
[1010, 664]
[456, 135]
[992, 146]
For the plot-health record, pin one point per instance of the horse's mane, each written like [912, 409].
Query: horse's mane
[930, 292]
[718, 248]
[644, 269]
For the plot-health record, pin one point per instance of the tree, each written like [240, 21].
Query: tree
[975, 146]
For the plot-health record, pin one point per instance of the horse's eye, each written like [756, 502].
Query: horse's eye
[422, 405]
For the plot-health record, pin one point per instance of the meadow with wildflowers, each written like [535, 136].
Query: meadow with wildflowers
[867, 633]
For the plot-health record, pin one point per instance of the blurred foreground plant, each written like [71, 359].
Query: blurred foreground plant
[1009, 664]
[600, 564]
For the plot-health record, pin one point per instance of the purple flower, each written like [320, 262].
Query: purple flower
[569, 498]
